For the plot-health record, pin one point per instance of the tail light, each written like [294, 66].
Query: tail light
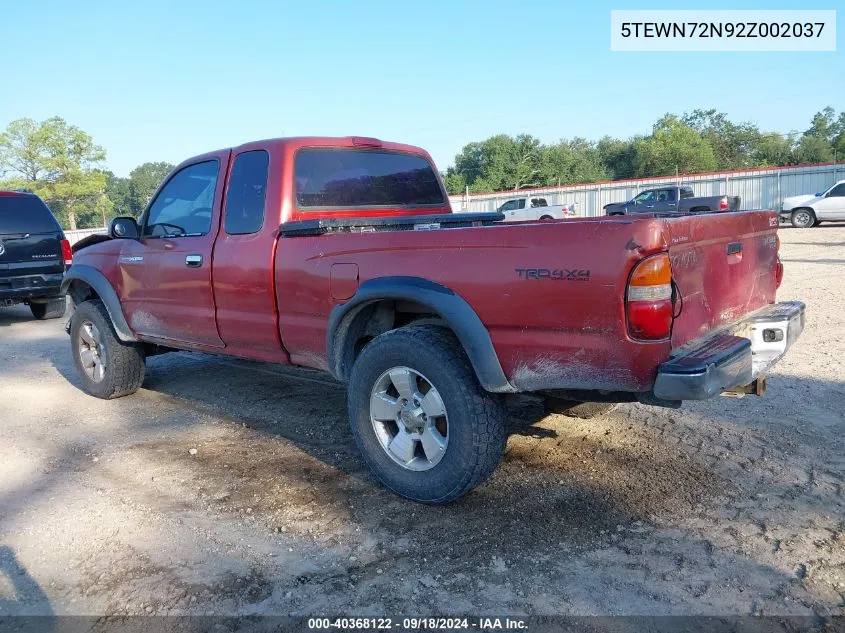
[649, 299]
[723, 204]
[778, 263]
[67, 253]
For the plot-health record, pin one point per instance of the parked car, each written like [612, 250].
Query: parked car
[809, 210]
[342, 254]
[673, 199]
[534, 208]
[33, 255]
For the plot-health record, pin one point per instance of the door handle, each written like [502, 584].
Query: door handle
[193, 261]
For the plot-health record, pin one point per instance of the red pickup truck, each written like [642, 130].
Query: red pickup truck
[342, 254]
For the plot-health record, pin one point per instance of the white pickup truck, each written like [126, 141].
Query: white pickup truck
[809, 210]
[535, 208]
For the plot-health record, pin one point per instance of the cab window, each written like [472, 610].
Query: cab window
[645, 196]
[247, 191]
[838, 191]
[183, 206]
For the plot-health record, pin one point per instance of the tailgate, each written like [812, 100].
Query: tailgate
[30, 237]
[724, 267]
[30, 254]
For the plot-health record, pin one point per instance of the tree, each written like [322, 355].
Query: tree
[772, 149]
[673, 147]
[617, 156]
[825, 125]
[56, 160]
[498, 163]
[571, 162]
[117, 191]
[143, 181]
[812, 149]
[733, 143]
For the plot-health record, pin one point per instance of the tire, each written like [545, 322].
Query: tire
[803, 218]
[470, 431]
[114, 368]
[577, 408]
[51, 309]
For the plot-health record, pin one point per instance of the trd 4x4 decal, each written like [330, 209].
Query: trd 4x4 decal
[555, 274]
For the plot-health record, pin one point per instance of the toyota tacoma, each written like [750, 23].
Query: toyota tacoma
[342, 254]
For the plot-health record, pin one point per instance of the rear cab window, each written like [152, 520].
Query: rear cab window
[687, 192]
[21, 213]
[339, 178]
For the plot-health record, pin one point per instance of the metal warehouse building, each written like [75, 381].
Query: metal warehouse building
[762, 188]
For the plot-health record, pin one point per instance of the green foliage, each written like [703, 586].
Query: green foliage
[673, 148]
[697, 141]
[143, 181]
[58, 161]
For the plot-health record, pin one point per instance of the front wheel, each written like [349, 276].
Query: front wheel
[423, 423]
[803, 218]
[108, 367]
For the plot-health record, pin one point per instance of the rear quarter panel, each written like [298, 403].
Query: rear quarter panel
[551, 294]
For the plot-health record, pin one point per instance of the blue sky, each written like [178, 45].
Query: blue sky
[165, 80]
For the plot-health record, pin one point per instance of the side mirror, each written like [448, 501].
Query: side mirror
[819, 195]
[124, 228]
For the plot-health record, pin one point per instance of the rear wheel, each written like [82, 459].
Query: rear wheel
[49, 309]
[803, 218]
[108, 367]
[423, 423]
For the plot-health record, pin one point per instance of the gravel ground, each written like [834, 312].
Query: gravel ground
[230, 487]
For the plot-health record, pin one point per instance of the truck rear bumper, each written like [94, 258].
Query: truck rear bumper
[28, 287]
[732, 358]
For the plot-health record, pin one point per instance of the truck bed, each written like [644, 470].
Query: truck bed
[550, 294]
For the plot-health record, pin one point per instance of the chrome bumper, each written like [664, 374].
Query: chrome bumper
[732, 358]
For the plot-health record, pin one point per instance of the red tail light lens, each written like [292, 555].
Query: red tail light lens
[778, 263]
[67, 253]
[723, 204]
[649, 299]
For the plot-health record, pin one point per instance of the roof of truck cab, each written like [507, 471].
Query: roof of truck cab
[288, 145]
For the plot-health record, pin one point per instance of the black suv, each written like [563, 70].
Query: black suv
[33, 255]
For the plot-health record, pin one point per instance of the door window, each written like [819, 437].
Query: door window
[247, 190]
[644, 197]
[838, 191]
[183, 207]
[666, 195]
[521, 203]
[510, 205]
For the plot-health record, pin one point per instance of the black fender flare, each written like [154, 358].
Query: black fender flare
[450, 306]
[98, 282]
